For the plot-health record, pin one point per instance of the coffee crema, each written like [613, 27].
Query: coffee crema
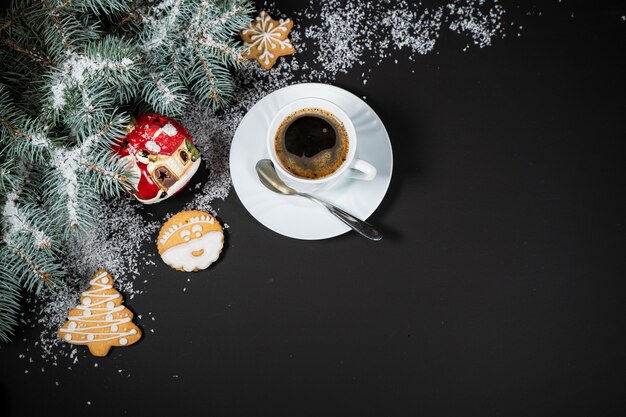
[311, 143]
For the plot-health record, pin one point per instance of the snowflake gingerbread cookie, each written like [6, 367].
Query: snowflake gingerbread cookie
[100, 321]
[265, 39]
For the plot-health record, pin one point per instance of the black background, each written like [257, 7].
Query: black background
[497, 289]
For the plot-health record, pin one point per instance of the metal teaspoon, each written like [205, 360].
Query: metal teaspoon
[269, 178]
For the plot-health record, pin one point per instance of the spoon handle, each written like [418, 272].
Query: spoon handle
[358, 225]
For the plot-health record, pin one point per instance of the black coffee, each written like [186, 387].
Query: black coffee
[311, 143]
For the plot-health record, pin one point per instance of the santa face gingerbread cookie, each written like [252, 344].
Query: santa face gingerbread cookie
[266, 39]
[190, 241]
[100, 321]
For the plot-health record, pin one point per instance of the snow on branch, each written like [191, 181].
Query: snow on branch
[15, 223]
[77, 69]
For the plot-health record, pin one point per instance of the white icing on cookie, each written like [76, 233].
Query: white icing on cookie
[197, 219]
[265, 36]
[98, 312]
[181, 256]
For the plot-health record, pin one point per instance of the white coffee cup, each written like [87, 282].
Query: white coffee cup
[351, 167]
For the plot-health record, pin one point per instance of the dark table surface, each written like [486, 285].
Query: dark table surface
[497, 289]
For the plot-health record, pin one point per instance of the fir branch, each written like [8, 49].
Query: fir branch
[8, 23]
[26, 245]
[65, 4]
[161, 22]
[17, 14]
[232, 20]
[33, 269]
[17, 221]
[112, 179]
[111, 176]
[9, 296]
[210, 81]
[9, 175]
[62, 193]
[85, 87]
[101, 141]
[106, 172]
[14, 129]
[213, 93]
[131, 17]
[27, 136]
[56, 22]
[65, 32]
[165, 93]
[205, 3]
[24, 224]
[227, 52]
[67, 67]
[96, 6]
[70, 193]
[210, 36]
[23, 50]
[44, 277]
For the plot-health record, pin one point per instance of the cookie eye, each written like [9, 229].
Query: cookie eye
[185, 234]
[197, 229]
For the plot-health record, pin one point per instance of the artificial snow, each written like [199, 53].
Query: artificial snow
[76, 69]
[340, 36]
[11, 214]
[169, 130]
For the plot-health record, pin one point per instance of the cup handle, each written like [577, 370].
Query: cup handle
[361, 170]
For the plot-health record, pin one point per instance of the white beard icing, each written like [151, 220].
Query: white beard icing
[180, 256]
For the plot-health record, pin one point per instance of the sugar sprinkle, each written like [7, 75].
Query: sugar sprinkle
[332, 37]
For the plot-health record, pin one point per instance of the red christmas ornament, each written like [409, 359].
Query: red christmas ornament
[162, 156]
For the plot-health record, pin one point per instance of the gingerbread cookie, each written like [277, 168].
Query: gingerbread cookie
[265, 39]
[100, 321]
[190, 240]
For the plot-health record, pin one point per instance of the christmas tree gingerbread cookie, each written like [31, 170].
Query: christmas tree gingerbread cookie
[100, 321]
[190, 240]
[266, 39]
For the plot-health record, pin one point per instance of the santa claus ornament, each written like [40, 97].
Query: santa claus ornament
[161, 154]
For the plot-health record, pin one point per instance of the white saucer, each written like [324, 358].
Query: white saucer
[298, 217]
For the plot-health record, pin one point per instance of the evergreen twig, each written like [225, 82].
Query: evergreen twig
[69, 72]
